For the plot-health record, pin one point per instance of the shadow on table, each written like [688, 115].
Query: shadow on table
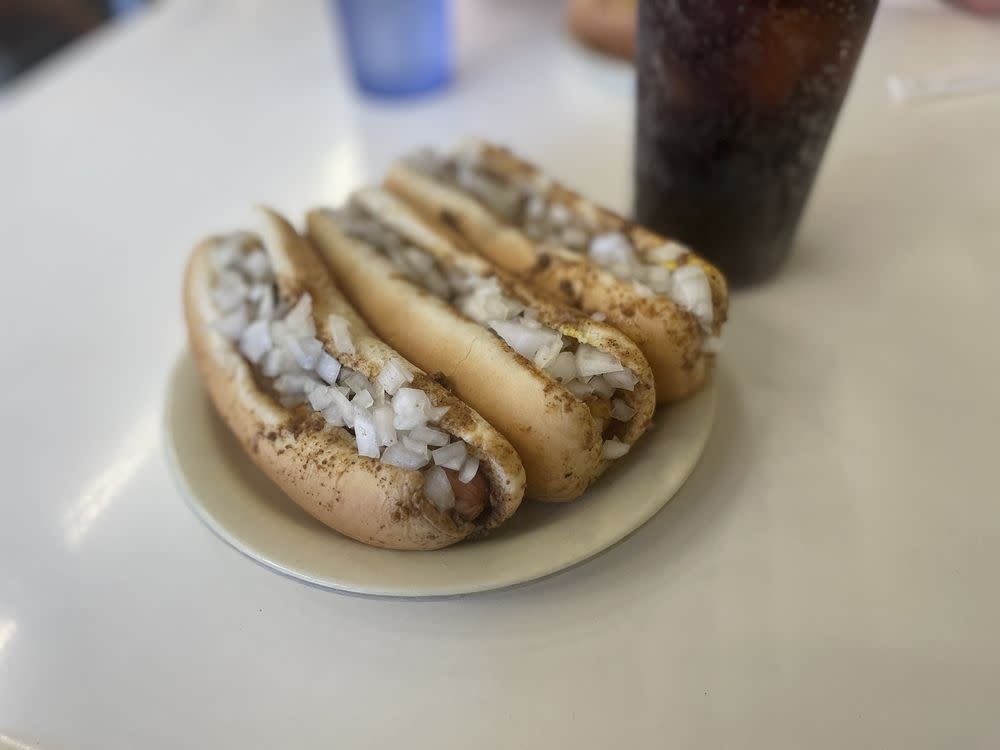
[674, 534]
[645, 564]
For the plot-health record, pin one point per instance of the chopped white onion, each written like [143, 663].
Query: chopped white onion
[548, 352]
[563, 367]
[255, 341]
[258, 291]
[430, 436]
[299, 320]
[484, 300]
[383, 425]
[339, 331]
[226, 300]
[229, 292]
[354, 380]
[418, 260]
[438, 489]
[693, 292]
[659, 279]
[225, 252]
[334, 416]
[574, 237]
[599, 316]
[653, 273]
[451, 456]
[558, 214]
[436, 413]
[363, 399]
[591, 361]
[256, 265]
[320, 398]
[282, 343]
[343, 405]
[624, 380]
[398, 455]
[612, 248]
[306, 351]
[621, 411]
[602, 387]
[289, 400]
[410, 407]
[265, 304]
[394, 375]
[276, 362]
[295, 383]
[232, 279]
[232, 324]
[328, 368]
[415, 446]
[579, 388]
[535, 207]
[280, 334]
[387, 414]
[614, 449]
[436, 283]
[524, 340]
[469, 469]
[364, 433]
[378, 395]
[501, 198]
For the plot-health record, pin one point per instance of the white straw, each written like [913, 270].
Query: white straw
[904, 89]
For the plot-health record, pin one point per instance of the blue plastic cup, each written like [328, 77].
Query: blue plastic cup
[398, 47]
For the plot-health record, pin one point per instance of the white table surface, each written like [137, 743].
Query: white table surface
[826, 579]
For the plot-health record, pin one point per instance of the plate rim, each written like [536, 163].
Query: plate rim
[708, 393]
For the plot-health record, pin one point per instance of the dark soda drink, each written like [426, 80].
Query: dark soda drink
[736, 101]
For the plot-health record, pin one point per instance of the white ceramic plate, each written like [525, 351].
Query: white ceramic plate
[242, 506]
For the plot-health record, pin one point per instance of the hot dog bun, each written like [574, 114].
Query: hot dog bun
[316, 465]
[558, 438]
[678, 346]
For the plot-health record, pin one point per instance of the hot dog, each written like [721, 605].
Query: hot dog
[350, 430]
[572, 394]
[668, 300]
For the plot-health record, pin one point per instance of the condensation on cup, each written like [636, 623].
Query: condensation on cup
[736, 102]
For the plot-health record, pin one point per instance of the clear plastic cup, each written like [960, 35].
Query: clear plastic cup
[736, 101]
[398, 47]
